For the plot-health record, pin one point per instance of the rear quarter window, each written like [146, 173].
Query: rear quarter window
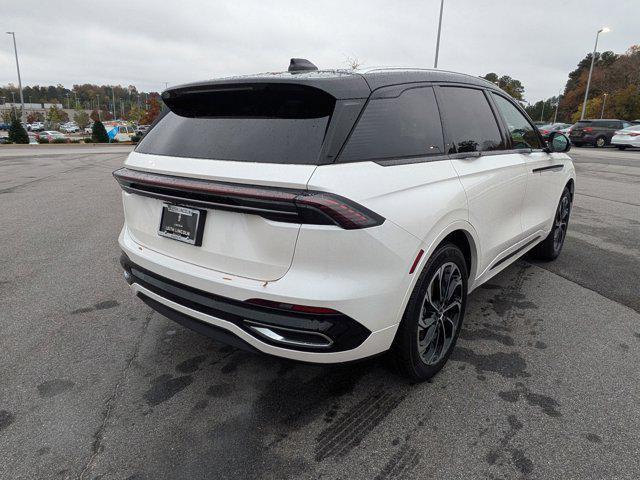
[407, 125]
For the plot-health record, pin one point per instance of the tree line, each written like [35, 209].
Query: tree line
[614, 91]
[105, 102]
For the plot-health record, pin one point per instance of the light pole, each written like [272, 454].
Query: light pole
[15, 50]
[593, 57]
[113, 97]
[435, 62]
[555, 116]
[542, 114]
[604, 101]
[99, 117]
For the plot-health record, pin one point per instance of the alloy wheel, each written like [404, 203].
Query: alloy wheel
[440, 313]
[600, 142]
[561, 221]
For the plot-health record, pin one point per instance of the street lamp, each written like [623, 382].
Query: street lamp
[593, 57]
[15, 50]
[435, 63]
[604, 101]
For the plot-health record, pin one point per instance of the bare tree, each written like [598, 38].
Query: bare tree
[353, 63]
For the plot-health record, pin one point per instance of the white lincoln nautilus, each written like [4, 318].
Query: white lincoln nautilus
[328, 216]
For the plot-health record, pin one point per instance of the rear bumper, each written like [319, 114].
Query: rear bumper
[214, 304]
[298, 331]
[627, 142]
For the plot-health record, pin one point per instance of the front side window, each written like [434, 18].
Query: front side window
[523, 135]
[403, 126]
[470, 121]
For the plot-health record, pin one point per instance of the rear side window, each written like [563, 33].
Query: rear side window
[264, 123]
[470, 122]
[404, 126]
[522, 133]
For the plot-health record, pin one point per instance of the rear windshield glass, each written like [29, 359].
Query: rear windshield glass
[261, 123]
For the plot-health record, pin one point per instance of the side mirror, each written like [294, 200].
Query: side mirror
[558, 142]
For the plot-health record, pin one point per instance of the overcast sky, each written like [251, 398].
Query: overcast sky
[148, 43]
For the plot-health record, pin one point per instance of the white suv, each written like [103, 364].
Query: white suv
[328, 216]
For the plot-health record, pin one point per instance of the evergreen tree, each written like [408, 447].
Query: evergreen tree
[99, 133]
[17, 133]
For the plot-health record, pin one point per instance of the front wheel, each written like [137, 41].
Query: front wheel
[431, 323]
[600, 142]
[550, 247]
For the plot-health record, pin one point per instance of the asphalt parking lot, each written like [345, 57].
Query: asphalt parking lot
[545, 381]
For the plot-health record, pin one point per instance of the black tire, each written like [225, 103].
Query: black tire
[600, 142]
[406, 351]
[621, 147]
[550, 248]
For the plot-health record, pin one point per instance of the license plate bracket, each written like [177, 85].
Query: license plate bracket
[183, 224]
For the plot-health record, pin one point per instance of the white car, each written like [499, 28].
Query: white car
[331, 216]
[627, 137]
[69, 128]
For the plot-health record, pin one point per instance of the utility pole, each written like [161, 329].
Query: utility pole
[15, 50]
[435, 62]
[593, 57]
[99, 117]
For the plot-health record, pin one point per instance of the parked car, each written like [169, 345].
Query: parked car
[595, 132]
[329, 216]
[37, 127]
[51, 135]
[627, 137]
[4, 126]
[546, 130]
[69, 127]
[142, 129]
[33, 140]
[635, 122]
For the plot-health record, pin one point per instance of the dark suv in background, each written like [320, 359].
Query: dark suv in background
[595, 132]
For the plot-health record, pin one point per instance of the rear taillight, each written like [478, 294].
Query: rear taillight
[281, 204]
[544, 132]
[587, 129]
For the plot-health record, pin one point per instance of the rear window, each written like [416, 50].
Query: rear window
[470, 121]
[407, 125]
[264, 123]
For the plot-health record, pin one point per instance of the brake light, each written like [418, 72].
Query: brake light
[587, 129]
[281, 204]
[293, 307]
[544, 132]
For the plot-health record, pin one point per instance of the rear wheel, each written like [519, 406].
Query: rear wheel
[431, 323]
[600, 142]
[550, 247]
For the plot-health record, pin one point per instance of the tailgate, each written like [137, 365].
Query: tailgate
[235, 243]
